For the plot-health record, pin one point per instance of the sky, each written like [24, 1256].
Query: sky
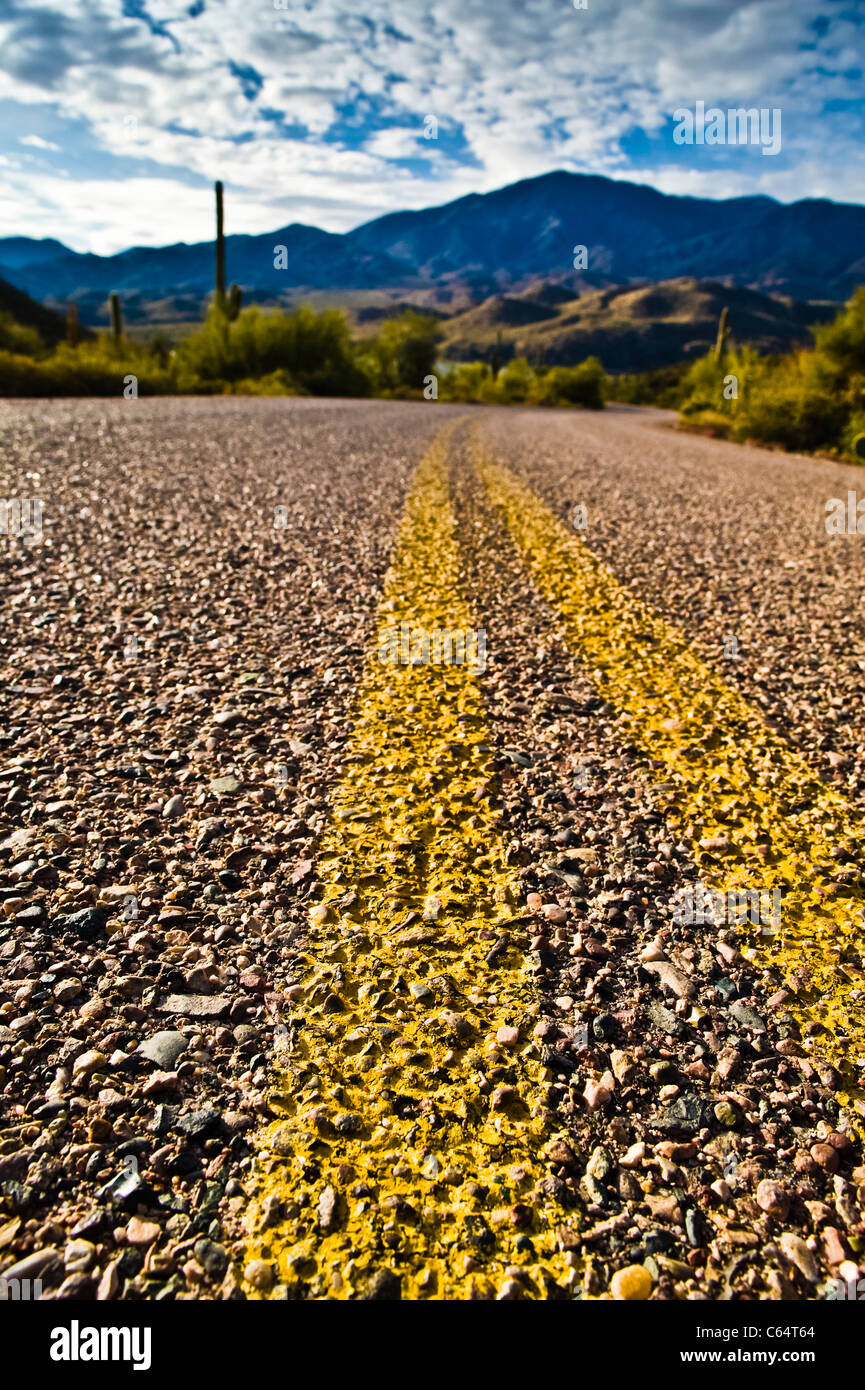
[117, 115]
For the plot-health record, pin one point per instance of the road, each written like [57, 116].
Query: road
[429, 856]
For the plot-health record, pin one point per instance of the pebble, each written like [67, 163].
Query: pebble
[260, 1275]
[142, 1233]
[773, 1199]
[631, 1284]
[164, 1048]
[88, 1062]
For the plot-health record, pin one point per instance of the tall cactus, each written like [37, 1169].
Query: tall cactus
[72, 325]
[235, 302]
[116, 318]
[723, 334]
[220, 249]
[496, 359]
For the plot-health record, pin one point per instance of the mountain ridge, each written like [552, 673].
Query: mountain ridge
[487, 243]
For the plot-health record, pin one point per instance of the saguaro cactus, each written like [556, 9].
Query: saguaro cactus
[235, 302]
[72, 325]
[116, 317]
[723, 334]
[220, 248]
[496, 359]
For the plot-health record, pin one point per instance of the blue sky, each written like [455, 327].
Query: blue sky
[116, 115]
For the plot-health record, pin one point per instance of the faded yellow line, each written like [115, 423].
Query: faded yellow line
[410, 1150]
[757, 814]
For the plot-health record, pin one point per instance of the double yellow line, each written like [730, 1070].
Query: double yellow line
[410, 1153]
[413, 1148]
[757, 815]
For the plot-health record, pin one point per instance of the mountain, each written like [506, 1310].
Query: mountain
[630, 329]
[24, 250]
[50, 326]
[813, 249]
[312, 258]
[487, 244]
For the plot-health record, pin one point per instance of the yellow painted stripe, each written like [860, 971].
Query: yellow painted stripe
[722, 774]
[393, 1155]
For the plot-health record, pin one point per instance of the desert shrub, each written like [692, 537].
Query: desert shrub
[583, 385]
[314, 349]
[514, 382]
[809, 400]
[468, 382]
[402, 354]
[89, 370]
[18, 337]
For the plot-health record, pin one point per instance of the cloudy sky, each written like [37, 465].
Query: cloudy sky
[116, 115]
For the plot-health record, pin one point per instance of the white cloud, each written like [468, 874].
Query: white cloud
[519, 87]
[37, 143]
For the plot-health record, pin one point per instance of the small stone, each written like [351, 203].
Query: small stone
[141, 1233]
[225, 786]
[624, 1067]
[746, 1017]
[834, 1246]
[652, 952]
[773, 1199]
[173, 807]
[228, 718]
[259, 1274]
[327, 1209]
[687, 1114]
[78, 1256]
[86, 924]
[798, 1253]
[727, 1114]
[634, 1156]
[826, 1155]
[554, 913]
[163, 1048]
[508, 1037]
[89, 1062]
[503, 1096]
[600, 1164]
[632, 1284]
[159, 1082]
[212, 1257]
[67, 990]
[109, 1283]
[597, 1095]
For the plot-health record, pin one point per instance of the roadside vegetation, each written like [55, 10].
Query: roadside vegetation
[272, 353]
[811, 400]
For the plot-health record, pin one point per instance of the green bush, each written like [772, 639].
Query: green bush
[314, 349]
[402, 354]
[808, 401]
[468, 382]
[89, 370]
[583, 385]
[18, 338]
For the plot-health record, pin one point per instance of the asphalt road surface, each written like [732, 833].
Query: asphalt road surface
[430, 856]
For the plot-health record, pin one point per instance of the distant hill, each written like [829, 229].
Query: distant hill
[50, 326]
[628, 328]
[484, 245]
